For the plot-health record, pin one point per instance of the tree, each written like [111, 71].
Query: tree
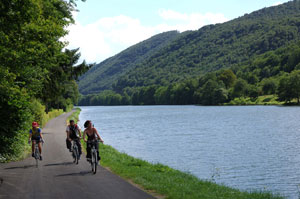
[240, 88]
[61, 77]
[295, 84]
[212, 93]
[228, 77]
[30, 57]
[269, 86]
[284, 91]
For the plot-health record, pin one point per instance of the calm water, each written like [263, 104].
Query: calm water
[246, 147]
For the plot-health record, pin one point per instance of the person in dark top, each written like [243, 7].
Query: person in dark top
[92, 135]
[73, 133]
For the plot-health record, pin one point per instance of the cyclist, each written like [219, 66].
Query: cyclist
[35, 135]
[73, 133]
[92, 135]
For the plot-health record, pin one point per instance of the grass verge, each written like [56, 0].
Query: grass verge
[163, 180]
[261, 100]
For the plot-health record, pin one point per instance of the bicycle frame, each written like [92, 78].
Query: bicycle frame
[94, 157]
[75, 151]
[36, 153]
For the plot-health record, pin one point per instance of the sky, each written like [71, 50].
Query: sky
[105, 28]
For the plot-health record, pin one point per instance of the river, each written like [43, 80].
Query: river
[245, 147]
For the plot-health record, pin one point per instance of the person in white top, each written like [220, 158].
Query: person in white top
[73, 133]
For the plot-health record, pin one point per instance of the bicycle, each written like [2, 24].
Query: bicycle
[94, 157]
[36, 153]
[75, 152]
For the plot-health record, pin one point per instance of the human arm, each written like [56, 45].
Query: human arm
[84, 133]
[98, 135]
[79, 131]
[41, 135]
[30, 135]
[68, 133]
[40, 131]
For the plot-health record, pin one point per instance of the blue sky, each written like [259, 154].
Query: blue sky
[105, 28]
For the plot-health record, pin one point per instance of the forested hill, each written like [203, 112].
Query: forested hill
[218, 46]
[245, 59]
[104, 74]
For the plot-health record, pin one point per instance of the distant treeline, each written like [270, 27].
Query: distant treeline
[275, 72]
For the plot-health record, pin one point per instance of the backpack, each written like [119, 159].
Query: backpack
[74, 131]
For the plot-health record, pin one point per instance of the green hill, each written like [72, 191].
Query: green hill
[219, 46]
[256, 54]
[102, 75]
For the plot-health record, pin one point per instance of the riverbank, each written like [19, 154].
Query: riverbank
[166, 181]
[261, 100]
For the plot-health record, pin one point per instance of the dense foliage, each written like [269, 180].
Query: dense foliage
[274, 72]
[35, 72]
[218, 46]
[245, 57]
[103, 75]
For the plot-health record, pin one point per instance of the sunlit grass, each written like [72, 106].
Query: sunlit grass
[167, 181]
[261, 100]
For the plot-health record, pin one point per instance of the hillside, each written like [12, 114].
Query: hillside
[101, 76]
[218, 46]
[235, 62]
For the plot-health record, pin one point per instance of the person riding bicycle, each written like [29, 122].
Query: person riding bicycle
[35, 136]
[73, 133]
[92, 135]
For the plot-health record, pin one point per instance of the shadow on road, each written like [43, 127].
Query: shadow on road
[47, 133]
[21, 167]
[1, 181]
[81, 173]
[59, 164]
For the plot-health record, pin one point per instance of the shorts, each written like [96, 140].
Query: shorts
[37, 139]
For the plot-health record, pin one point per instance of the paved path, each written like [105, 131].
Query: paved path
[58, 177]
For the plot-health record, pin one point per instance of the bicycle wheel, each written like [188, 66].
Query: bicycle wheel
[75, 154]
[94, 161]
[37, 157]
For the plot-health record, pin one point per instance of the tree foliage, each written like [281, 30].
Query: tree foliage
[33, 65]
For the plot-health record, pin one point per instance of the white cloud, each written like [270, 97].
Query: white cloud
[277, 3]
[191, 21]
[110, 35]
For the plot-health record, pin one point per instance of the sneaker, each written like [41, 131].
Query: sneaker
[70, 150]
[41, 158]
[32, 155]
[89, 159]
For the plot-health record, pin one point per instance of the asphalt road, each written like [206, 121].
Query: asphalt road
[58, 177]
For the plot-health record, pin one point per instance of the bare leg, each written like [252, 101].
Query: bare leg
[32, 146]
[40, 148]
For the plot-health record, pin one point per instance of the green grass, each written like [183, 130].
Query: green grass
[261, 100]
[74, 116]
[168, 182]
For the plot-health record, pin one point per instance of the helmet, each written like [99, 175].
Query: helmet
[35, 124]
